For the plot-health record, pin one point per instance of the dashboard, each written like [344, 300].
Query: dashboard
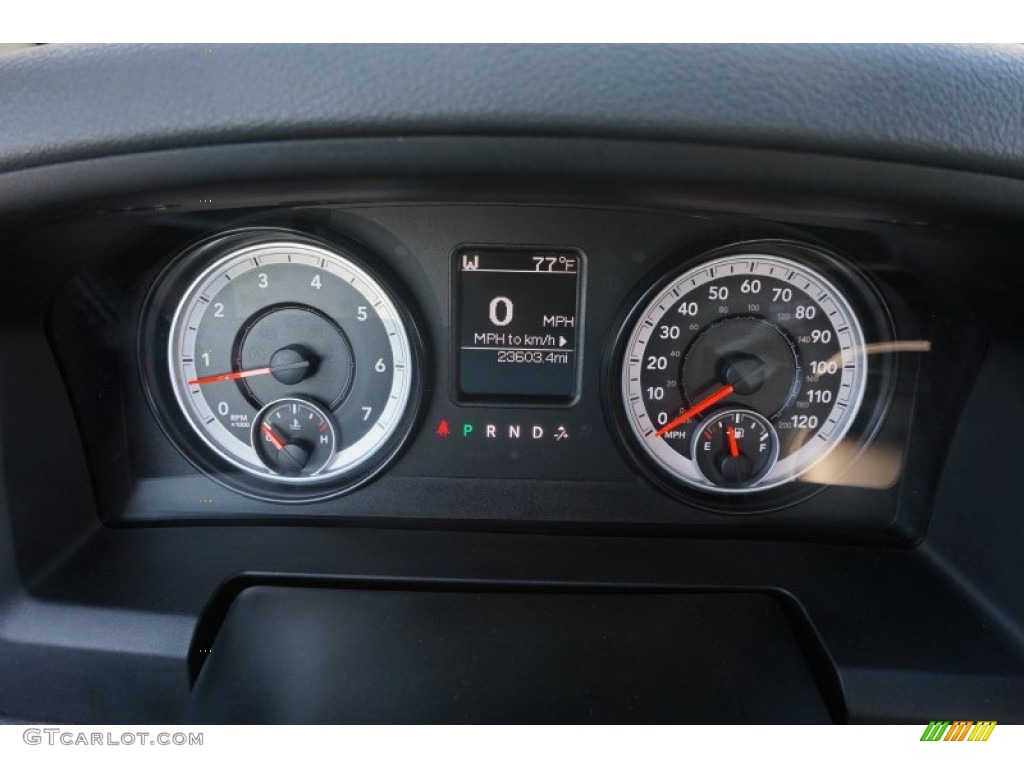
[305, 370]
[436, 389]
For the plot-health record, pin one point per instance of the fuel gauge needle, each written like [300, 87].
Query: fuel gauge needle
[734, 449]
[273, 438]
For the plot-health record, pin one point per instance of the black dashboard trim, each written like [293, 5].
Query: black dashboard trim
[937, 105]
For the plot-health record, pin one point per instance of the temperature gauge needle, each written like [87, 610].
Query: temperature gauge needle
[734, 449]
[703, 405]
[274, 439]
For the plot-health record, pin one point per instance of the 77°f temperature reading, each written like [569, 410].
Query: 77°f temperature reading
[518, 324]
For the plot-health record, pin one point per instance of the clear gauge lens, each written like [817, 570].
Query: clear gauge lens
[291, 323]
[764, 334]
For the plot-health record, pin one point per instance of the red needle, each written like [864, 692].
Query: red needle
[703, 405]
[734, 450]
[274, 439]
[231, 376]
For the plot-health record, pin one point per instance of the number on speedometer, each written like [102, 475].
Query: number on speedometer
[766, 340]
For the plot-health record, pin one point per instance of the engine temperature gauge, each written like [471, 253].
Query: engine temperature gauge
[735, 448]
[294, 437]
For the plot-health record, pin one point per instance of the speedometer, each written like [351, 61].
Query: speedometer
[741, 373]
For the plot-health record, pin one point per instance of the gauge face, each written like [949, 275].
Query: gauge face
[767, 337]
[298, 325]
[294, 437]
[734, 448]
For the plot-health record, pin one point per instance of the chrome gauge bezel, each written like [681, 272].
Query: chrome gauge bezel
[871, 388]
[172, 307]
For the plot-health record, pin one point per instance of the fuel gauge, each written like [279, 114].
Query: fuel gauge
[294, 437]
[735, 448]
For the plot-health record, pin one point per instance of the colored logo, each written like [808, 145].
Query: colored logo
[959, 730]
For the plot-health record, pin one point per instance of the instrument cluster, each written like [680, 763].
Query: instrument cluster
[294, 367]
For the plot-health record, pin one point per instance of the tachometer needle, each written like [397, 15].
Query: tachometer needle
[276, 441]
[703, 405]
[246, 374]
[231, 376]
[734, 449]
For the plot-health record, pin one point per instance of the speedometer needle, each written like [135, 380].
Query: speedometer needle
[703, 405]
[246, 374]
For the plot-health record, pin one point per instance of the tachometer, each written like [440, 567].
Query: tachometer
[743, 372]
[286, 358]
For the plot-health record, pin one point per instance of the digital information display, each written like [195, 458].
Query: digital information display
[519, 324]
